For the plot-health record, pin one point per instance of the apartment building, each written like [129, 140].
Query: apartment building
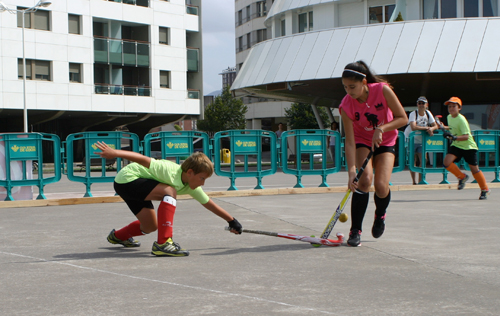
[98, 65]
[435, 48]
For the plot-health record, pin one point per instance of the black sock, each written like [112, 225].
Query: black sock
[359, 204]
[382, 204]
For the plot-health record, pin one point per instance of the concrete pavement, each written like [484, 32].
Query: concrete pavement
[439, 256]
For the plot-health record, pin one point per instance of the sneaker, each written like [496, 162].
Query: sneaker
[378, 226]
[461, 183]
[169, 248]
[354, 238]
[484, 194]
[126, 243]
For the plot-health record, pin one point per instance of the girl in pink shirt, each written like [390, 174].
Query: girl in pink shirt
[371, 113]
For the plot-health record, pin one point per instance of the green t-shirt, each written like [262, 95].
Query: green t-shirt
[163, 171]
[459, 126]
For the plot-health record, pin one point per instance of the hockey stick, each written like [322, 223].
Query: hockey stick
[340, 208]
[312, 240]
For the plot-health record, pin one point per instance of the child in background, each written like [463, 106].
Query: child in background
[148, 179]
[462, 146]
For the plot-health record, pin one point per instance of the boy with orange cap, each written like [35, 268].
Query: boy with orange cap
[462, 146]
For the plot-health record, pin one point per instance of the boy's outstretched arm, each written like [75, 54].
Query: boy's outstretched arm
[222, 213]
[108, 153]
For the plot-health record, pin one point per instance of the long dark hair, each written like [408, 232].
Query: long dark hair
[359, 70]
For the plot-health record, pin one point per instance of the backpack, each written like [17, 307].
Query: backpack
[407, 128]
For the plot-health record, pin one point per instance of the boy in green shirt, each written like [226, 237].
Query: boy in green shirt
[148, 179]
[463, 145]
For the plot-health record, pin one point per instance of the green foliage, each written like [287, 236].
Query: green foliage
[301, 116]
[399, 18]
[225, 113]
[177, 127]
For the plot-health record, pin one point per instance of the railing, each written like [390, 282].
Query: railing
[191, 9]
[193, 94]
[103, 88]
[121, 52]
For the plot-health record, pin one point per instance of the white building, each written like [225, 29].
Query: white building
[250, 17]
[101, 65]
[440, 49]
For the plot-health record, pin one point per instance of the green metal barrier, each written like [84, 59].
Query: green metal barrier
[487, 152]
[311, 145]
[28, 148]
[435, 146]
[178, 145]
[400, 148]
[247, 145]
[85, 142]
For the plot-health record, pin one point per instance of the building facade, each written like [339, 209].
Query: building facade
[101, 65]
[250, 17]
[435, 48]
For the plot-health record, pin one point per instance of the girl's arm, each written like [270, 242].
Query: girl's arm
[108, 152]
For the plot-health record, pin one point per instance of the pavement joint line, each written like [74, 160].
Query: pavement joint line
[172, 283]
[234, 193]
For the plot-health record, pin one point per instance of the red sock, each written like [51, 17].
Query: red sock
[129, 231]
[166, 212]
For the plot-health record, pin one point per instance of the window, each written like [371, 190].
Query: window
[490, 8]
[248, 13]
[306, 22]
[283, 27]
[75, 72]
[34, 20]
[165, 35]
[261, 35]
[40, 68]
[261, 8]
[380, 14]
[249, 40]
[164, 79]
[240, 43]
[239, 18]
[74, 24]
[445, 9]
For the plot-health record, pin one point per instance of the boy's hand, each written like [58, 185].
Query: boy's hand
[106, 151]
[449, 136]
[235, 226]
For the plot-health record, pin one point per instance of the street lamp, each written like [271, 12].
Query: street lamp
[39, 4]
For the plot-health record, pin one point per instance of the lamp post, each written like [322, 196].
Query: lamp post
[39, 4]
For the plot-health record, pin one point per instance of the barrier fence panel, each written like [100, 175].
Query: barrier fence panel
[488, 151]
[245, 156]
[176, 145]
[311, 154]
[400, 148]
[435, 147]
[84, 144]
[23, 151]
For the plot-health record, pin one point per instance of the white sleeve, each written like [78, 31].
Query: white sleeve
[411, 117]
[431, 117]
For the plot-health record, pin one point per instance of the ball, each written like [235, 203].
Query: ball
[315, 245]
[343, 217]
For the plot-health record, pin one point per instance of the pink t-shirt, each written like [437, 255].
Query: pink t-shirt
[366, 116]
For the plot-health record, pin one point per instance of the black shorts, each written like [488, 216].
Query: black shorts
[379, 150]
[134, 193]
[469, 155]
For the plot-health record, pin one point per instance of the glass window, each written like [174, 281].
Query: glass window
[164, 35]
[261, 8]
[302, 22]
[490, 8]
[164, 79]
[431, 9]
[389, 10]
[283, 27]
[448, 9]
[75, 72]
[375, 15]
[73, 24]
[27, 18]
[42, 70]
[310, 21]
[471, 8]
[42, 20]
[20, 68]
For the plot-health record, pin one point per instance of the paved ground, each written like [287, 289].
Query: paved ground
[440, 255]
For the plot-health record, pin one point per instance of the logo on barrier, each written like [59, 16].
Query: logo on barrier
[312, 143]
[486, 143]
[306, 142]
[171, 145]
[431, 142]
[15, 148]
[26, 151]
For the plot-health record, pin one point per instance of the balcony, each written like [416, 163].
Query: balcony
[141, 3]
[193, 59]
[112, 89]
[121, 52]
[190, 9]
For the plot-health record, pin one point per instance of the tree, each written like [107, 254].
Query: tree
[301, 116]
[225, 113]
[399, 18]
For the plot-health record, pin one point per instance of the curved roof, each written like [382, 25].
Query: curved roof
[412, 47]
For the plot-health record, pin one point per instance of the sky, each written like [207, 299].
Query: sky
[218, 42]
